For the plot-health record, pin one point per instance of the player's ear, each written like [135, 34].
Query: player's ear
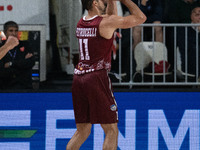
[95, 2]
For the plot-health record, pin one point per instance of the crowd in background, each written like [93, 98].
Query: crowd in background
[16, 65]
[158, 12]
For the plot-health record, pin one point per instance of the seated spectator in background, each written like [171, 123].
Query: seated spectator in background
[16, 65]
[192, 44]
[176, 11]
[154, 11]
[183, 11]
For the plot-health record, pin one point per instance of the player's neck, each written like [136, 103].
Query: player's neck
[92, 13]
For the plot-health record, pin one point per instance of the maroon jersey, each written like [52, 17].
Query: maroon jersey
[94, 50]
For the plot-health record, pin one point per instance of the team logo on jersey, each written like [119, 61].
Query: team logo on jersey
[22, 49]
[113, 107]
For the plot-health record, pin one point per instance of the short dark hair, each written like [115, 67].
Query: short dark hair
[87, 4]
[9, 24]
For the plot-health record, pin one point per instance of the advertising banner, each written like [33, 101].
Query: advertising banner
[29, 12]
[147, 121]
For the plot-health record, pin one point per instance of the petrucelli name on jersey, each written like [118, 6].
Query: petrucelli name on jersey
[86, 32]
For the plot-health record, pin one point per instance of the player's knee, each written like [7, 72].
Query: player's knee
[84, 132]
[110, 130]
[114, 132]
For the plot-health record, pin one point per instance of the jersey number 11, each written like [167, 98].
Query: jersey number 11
[83, 43]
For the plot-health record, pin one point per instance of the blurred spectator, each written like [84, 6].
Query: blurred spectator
[189, 53]
[16, 66]
[154, 12]
[176, 11]
[183, 10]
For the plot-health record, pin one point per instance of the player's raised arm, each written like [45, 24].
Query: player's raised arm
[111, 22]
[111, 7]
[135, 18]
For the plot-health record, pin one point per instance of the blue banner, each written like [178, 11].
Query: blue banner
[147, 121]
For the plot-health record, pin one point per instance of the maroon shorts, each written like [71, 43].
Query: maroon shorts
[93, 99]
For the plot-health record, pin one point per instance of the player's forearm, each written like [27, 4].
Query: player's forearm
[111, 7]
[134, 10]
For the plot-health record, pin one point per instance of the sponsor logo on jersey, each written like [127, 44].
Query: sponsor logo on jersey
[113, 107]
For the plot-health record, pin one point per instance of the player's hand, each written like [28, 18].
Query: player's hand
[7, 65]
[12, 42]
[29, 55]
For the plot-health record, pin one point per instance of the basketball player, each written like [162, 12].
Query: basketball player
[93, 99]
[10, 44]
